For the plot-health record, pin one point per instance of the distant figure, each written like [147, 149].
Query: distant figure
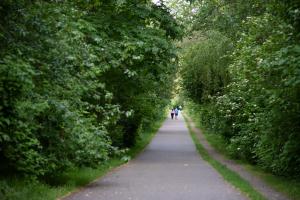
[176, 112]
[172, 113]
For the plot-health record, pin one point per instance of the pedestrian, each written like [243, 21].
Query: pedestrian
[172, 113]
[176, 112]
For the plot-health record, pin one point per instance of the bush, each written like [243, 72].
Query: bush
[257, 111]
[204, 70]
[76, 79]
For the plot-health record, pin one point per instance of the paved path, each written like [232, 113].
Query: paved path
[169, 169]
[257, 183]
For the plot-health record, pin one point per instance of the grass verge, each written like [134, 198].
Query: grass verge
[22, 189]
[229, 175]
[288, 186]
[145, 138]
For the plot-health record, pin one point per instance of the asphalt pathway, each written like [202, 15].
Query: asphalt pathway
[168, 169]
[257, 183]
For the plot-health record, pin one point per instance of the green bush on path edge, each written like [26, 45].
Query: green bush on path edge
[73, 180]
[288, 186]
[229, 175]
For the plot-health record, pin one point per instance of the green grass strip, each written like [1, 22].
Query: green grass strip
[288, 186]
[229, 175]
[146, 138]
[22, 189]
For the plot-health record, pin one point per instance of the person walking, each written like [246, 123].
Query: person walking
[172, 113]
[176, 112]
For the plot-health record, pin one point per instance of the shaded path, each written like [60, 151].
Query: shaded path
[169, 169]
[257, 183]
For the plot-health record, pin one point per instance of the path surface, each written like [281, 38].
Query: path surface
[257, 183]
[169, 169]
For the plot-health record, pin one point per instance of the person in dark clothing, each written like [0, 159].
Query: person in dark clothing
[172, 113]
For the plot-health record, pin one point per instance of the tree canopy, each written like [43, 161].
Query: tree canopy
[80, 79]
[240, 65]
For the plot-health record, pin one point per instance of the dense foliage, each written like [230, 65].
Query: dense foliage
[242, 69]
[79, 80]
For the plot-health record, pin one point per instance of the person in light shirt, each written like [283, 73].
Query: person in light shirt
[176, 112]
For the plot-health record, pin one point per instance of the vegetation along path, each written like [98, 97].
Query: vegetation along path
[169, 168]
[256, 182]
